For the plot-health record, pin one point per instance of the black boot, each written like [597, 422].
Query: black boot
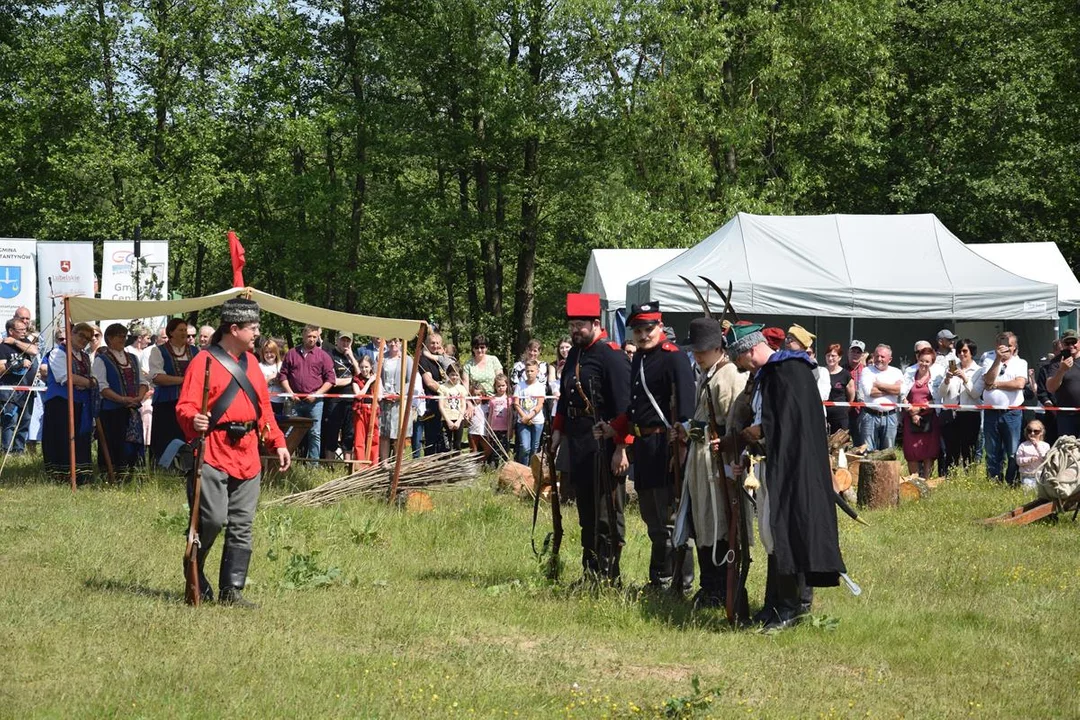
[785, 612]
[766, 613]
[806, 596]
[234, 567]
[713, 579]
[660, 561]
[590, 570]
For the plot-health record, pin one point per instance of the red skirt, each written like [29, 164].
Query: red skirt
[362, 421]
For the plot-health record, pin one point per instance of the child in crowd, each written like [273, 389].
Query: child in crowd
[498, 416]
[1031, 452]
[477, 426]
[529, 407]
[365, 408]
[452, 399]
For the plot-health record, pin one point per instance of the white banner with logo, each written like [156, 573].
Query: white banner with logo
[18, 276]
[124, 279]
[65, 268]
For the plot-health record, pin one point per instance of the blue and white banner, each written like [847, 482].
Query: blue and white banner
[18, 276]
[65, 268]
[122, 278]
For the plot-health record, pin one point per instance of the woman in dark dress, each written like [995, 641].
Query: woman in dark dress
[841, 389]
[122, 391]
[55, 447]
[168, 362]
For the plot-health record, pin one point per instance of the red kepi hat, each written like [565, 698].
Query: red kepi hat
[582, 306]
[644, 314]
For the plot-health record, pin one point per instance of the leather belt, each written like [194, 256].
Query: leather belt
[639, 431]
[882, 413]
[575, 413]
[246, 426]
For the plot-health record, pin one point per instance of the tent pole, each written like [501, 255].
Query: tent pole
[404, 355]
[70, 391]
[851, 329]
[374, 400]
[405, 418]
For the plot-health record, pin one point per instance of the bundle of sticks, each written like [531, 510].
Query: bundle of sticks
[441, 469]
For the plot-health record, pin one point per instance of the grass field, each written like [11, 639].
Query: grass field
[369, 612]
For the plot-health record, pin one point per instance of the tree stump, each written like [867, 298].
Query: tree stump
[418, 501]
[841, 479]
[913, 488]
[518, 479]
[879, 484]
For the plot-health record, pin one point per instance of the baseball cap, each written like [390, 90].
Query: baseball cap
[946, 334]
[858, 344]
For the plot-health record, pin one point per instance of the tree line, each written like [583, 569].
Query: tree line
[456, 160]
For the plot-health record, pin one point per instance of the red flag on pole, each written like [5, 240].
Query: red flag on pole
[236, 250]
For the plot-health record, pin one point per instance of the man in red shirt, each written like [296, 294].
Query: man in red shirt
[231, 470]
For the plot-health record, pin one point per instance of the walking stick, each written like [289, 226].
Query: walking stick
[104, 446]
[192, 591]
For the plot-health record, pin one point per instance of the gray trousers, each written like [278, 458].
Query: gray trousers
[225, 499]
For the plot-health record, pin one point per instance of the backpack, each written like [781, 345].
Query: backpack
[1059, 472]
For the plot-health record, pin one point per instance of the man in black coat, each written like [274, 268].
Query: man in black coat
[796, 506]
[660, 377]
[594, 394]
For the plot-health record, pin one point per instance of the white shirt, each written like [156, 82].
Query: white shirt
[1016, 367]
[528, 398]
[943, 359]
[101, 374]
[957, 391]
[476, 423]
[889, 376]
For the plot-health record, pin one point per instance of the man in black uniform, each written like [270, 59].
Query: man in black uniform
[660, 376]
[595, 386]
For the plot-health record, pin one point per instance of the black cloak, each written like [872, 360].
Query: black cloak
[798, 475]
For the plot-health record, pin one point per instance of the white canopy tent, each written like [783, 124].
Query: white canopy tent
[1040, 261]
[610, 270]
[853, 266]
[84, 309]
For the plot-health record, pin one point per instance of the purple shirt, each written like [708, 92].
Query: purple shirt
[306, 371]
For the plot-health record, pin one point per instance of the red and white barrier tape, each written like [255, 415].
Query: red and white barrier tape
[948, 406]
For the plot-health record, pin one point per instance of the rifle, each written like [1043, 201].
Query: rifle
[556, 515]
[677, 471]
[738, 555]
[603, 485]
[553, 540]
[192, 591]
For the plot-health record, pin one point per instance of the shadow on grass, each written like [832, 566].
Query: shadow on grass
[677, 612]
[130, 588]
[484, 579]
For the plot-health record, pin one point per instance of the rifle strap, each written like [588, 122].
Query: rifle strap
[240, 381]
[648, 394]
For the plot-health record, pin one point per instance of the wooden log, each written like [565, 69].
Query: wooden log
[418, 501]
[841, 479]
[518, 479]
[853, 468]
[913, 488]
[879, 484]
[935, 483]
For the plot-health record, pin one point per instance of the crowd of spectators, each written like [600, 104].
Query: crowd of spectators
[954, 373]
[350, 396]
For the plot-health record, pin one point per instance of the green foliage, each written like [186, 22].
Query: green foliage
[456, 160]
[173, 523]
[302, 570]
[692, 705]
